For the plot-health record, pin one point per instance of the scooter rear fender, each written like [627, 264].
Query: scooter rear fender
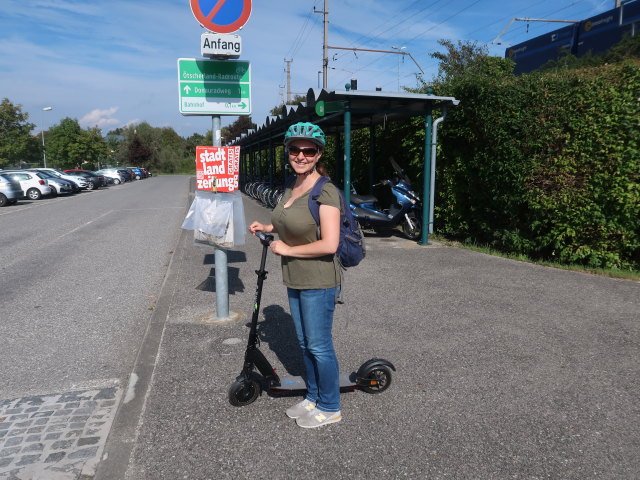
[370, 365]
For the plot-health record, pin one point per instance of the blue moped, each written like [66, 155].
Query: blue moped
[403, 207]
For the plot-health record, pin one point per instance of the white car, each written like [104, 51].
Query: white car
[34, 184]
[112, 173]
[79, 180]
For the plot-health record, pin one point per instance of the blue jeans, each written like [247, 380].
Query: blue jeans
[312, 312]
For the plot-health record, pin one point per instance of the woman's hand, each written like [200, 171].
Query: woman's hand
[257, 226]
[280, 248]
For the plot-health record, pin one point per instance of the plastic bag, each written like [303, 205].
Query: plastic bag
[217, 219]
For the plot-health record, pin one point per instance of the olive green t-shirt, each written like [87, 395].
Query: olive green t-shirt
[295, 226]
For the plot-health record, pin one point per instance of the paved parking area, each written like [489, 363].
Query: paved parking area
[504, 370]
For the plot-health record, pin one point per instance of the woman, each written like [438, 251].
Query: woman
[310, 271]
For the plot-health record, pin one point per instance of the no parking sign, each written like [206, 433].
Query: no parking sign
[221, 16]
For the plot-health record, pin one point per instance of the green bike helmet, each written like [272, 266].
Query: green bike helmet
[305, 131]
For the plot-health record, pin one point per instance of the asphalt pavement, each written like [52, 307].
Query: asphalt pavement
[504, 370]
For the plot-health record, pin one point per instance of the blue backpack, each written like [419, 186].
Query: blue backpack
[351, 249]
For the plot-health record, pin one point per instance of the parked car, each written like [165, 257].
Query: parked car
[112, 173]
[95, 180]
[34, 185]
[126, 173]
[79, 181]
[137, 172]
[10, 190]
[59, 186]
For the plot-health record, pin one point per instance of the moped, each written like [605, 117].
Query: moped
[403, 208]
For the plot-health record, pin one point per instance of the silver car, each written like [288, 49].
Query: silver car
[118, 178]
[59, 186]
[79, 180]
[10, 191]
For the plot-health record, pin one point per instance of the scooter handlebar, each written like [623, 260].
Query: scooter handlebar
[265, 238]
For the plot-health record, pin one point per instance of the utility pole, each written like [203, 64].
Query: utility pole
[325, 45]
[288, 62]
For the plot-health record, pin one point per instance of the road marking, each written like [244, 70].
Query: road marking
[84, 225]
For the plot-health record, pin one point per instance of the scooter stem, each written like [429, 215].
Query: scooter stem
[265, 239]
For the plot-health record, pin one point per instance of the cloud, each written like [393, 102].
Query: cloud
[100, 118]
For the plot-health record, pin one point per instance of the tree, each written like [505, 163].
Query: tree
[139, 153]
[280, 109]
[69, 146]
[234, 130]
[16, 142]
[466, 58]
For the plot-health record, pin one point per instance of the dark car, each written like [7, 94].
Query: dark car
[95, 180]
[126, 173]
[137, 172]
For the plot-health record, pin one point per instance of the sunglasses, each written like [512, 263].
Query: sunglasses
[308, 152]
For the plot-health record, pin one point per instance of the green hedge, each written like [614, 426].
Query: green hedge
[545, 164]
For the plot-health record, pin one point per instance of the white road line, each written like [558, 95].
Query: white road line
[83, 225]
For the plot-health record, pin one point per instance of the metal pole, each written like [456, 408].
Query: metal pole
[372, 156]
[222, 270]
[434, 147]
[426, 178]
[44, 152]
[325, 47]
[347, 154]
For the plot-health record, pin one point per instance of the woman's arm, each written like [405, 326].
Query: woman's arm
[257, 226]
[329, 238]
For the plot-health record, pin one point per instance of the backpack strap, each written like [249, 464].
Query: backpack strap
[314, 208]
[316, 191]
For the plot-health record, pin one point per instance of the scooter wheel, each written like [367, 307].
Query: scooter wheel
[380, 378]
[412, 230]
[244, 391]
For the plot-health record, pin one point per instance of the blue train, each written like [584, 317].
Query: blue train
[596, 35]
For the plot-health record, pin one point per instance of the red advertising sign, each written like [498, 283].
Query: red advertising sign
[217, 169]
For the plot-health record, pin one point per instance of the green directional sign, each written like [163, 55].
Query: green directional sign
[214, 87]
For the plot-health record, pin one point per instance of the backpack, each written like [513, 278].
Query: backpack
[351, 248]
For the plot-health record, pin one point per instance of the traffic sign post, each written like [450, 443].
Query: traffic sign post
[217, 87]
[214, 87]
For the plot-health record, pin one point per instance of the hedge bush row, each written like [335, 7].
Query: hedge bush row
[545, 164]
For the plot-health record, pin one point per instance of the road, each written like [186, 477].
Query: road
[78, 278]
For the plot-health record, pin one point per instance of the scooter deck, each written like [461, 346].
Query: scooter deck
[291, 383]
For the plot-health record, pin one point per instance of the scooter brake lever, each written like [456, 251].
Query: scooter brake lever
[265, 238]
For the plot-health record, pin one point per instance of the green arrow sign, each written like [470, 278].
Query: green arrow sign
[214, 87]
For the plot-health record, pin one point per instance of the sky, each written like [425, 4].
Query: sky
[112, 63]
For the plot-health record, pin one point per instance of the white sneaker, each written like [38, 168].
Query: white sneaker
[318, 418]
[300, 409]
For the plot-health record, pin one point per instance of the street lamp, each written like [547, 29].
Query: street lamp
[44, 152]
[399, 50]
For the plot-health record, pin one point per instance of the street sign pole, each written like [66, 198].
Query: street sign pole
[210, 87]
[222, 275]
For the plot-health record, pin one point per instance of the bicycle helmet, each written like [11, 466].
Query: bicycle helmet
[305, 131]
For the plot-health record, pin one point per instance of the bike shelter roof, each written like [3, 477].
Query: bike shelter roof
[366, 109]
[341, 111]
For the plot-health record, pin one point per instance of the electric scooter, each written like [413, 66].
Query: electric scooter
[374, 376]
[404, 207]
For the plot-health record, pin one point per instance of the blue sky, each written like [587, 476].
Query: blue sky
[113, 62]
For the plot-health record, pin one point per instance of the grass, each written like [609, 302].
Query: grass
[633, 275]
